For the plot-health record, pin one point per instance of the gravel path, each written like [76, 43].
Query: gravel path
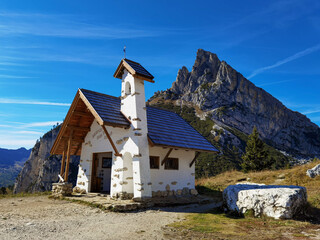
[43, 218]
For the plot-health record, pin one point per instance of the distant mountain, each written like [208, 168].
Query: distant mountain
[11, 163]
[41, 169]
[218, 93]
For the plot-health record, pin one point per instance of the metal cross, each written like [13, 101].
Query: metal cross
[124, 50]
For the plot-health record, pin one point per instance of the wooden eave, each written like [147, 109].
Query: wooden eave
[152, 144]
[78, 121]
[124, 65]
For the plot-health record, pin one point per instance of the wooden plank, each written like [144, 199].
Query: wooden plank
[77, 128]
[143, 77]
[82, 114]
[68, 158]
[111, 142]
[194, 159]
[78, 148]
[90, 107]
[166, 157]
[64, 124]
[74, 139]
[150, 142]
[183, 148]
[63, 160]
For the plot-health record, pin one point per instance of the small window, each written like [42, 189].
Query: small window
[106, 162]
[172, 163]
[154, 162]
[128, 88]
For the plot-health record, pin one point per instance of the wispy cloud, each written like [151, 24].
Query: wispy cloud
[273, 83]
[41, 124]
[311, 111]
[13, 76]
[286, 60]
[68, 26]
[32, 102]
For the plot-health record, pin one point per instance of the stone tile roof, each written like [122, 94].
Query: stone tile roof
[165, 128]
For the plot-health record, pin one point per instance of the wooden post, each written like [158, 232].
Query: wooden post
[194, 159]
[68, 158]
[63, 162]
[111, 142]
[166, 157]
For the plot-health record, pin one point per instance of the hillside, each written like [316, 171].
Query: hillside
[11, 163]
[224, 106]
[41, 169]
[221, 93]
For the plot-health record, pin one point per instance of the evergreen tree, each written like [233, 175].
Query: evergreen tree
[256, 157]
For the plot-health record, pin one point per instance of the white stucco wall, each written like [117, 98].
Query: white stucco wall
[131, 172]
[176, 179]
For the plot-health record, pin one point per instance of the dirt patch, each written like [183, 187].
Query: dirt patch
[43, 218]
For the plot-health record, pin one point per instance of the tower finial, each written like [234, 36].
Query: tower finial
[124, 51]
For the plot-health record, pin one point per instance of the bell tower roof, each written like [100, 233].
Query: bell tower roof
[135, 69]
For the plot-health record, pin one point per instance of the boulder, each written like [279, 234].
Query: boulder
[279, 202]
[313, 172]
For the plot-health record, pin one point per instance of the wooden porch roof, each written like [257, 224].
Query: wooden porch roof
[79, 120]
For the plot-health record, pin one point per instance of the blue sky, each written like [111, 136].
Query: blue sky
[49, 49]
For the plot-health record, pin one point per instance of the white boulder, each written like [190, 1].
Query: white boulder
[313, 172]
[271, 200]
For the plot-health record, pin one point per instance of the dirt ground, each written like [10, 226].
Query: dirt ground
[44, 218]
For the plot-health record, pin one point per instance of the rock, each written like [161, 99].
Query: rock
[193, 192]
[41, 169]
[233, 102]
[75, 189]
[179, 192]
[185, 191]
[271, 200]
[313, 172]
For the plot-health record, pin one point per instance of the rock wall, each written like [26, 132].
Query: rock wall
[233, 101]
[41, 169]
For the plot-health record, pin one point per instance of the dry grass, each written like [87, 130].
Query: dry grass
[218, 225]
[294, 176]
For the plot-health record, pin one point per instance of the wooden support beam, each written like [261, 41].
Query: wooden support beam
[166, 157]
[111, 142]
[63, 162]
[194, 159]
[150, 142]
[77, 128]
[78, 148]
[68, 158]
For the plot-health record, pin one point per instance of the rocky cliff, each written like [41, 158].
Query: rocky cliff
[41, 169]
[231, 101]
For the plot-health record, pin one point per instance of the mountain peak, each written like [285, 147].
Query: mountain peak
[219, 90]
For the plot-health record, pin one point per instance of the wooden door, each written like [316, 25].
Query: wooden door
[95, 186]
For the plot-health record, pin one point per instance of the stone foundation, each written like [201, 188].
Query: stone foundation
[169, 193]
[61, 189]
[123, 196]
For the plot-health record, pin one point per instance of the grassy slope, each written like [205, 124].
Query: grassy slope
[219, 225]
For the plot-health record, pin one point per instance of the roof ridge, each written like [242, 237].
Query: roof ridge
[107, 95]
[126, 59]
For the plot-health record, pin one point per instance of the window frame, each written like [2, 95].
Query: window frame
[168, 167]
[157, 159]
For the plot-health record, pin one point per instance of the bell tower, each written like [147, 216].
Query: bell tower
[133, 106]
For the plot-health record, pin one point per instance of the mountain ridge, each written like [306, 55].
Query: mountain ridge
[224, 94]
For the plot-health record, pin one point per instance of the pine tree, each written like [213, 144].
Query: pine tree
[256, 157]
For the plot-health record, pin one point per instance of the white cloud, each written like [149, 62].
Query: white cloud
[32, 102]
[40, 124]
[69, 26]
[286, 60]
